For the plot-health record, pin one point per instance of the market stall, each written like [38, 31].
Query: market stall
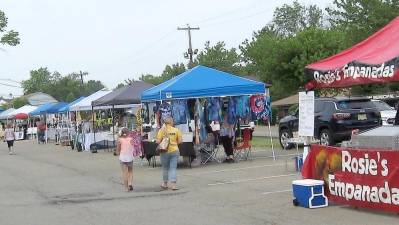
[85, 120]
[20, 118]
[364, 173]
[125, 103]
[68, 122]
[197, 100]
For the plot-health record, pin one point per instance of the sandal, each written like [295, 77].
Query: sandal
[174, 188]
[163, 187]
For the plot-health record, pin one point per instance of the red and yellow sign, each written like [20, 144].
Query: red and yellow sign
[366, 178]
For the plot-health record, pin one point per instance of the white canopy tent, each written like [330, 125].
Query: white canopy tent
[24, 109]
[85, 104]
[4, 114]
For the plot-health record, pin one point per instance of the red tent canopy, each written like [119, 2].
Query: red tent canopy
[374, 60]
[21, 116]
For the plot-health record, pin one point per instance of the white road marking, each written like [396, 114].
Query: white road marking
[252, 179]
[235, 169]
[275, 192]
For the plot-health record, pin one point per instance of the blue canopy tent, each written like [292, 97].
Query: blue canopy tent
[56, 107]
[65, 108]
[203, 82]
[200, 82]
[42, 109]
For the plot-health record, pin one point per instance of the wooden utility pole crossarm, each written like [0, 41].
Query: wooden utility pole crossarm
[190, 51]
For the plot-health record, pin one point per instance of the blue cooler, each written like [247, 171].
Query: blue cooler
[309, 193]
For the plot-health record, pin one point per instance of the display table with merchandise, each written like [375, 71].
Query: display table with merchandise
[91, 138]
[186, 149]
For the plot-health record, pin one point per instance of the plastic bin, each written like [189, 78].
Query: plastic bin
[309, 193]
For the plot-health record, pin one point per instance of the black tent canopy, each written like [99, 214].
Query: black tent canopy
[124, 96]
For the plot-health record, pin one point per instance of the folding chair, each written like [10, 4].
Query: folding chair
[209, 151]
[243, 149]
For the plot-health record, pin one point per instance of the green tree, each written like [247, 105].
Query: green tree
[9, 37]
[288, 20]
[63, 88]
[281, 60]
[218, 57]
[18, 102]
[168, 73]
[361, 18]
[39, 81]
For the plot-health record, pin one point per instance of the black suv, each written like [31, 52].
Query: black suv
[335, 119]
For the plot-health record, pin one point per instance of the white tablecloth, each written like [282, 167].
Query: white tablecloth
[101, 136]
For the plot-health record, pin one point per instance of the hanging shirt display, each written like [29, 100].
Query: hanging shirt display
[242, 107]
[165, 111]
[199, 111]
[136, 142]
[179, 111]
[145, 114]
[261, 107]
[231, 112]
[214, 109]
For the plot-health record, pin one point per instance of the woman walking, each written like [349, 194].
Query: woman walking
[9, 136]
[170, 157]
[125, 151]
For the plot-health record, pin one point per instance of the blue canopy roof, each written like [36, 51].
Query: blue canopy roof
[66, 107]
[42, 109]
[56, 107]
[200, 82]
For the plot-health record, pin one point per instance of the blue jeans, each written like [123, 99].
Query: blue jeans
[169, 165]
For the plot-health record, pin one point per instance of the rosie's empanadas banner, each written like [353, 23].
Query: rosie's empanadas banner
[360, 177]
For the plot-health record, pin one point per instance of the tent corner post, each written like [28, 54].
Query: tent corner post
[94, 131]
[271, 140]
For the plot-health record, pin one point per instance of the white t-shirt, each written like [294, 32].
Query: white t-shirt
[9, 134]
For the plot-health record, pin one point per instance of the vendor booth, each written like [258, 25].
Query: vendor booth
[20, 118]
[363, 172]
[4, 114]
[124, 103]
[84, 116]
[199, 100]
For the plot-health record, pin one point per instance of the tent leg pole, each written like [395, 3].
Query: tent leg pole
[271, 141]
[94, 131]
[113, 128]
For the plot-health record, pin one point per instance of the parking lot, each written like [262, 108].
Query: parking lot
[49, 184]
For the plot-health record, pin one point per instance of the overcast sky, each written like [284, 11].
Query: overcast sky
[119, 39]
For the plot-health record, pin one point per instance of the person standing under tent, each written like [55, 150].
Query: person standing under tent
[169, 159]
[125, 151]
[226, 137]
[9, 137]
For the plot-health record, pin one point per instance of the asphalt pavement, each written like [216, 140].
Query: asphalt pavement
[51, 185]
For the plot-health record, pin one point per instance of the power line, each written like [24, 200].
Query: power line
[10, 85]
[14, 81]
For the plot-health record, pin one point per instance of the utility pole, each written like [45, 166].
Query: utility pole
[82, 74]
[190, 53]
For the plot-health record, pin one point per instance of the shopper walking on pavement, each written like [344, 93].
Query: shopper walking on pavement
[125, 151]
[170, 157]
[9, 137]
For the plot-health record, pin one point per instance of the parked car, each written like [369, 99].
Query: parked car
[388, 113]
[335, 120]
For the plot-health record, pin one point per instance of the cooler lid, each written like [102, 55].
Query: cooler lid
[308, 182]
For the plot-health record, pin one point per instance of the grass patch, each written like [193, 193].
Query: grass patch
[264, 142]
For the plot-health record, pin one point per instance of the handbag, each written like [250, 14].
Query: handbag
[164, 144]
